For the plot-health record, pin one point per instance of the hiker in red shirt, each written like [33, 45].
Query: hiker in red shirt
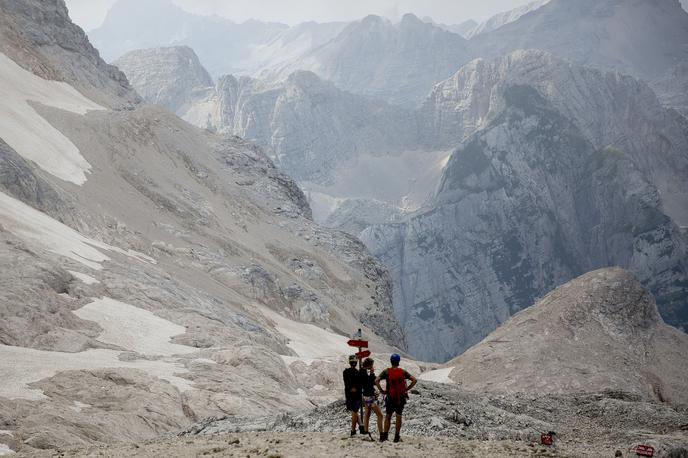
[397, 393]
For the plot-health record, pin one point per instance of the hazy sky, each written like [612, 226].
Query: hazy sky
[89, 14]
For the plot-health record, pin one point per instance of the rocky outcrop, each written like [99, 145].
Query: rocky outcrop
[355, 215]
[524, 205]
[598, 332]
[165, 76]
[40, 37]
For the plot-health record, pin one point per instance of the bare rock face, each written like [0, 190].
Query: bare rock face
[609, 109]
[40, 35]
[598, 332]
[165, 76]
[524, 205]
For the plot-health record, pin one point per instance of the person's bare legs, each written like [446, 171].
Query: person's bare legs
[397, 438]
[378, 413]
[388, 422]
[354, 420]
[366, 419]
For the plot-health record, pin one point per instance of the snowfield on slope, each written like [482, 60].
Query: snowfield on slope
[28, 133]
[308, 341]
[22, 366]
[437, 375]
[30, 224]
[133, 328]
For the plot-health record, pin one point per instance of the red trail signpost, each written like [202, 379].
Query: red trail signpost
[360, 344]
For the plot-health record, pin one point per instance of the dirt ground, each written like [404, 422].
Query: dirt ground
[284, 445]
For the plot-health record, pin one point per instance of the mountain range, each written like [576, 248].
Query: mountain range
[517, 216]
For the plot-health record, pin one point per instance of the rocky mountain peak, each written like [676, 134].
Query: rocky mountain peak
[600, 331]
[612, 298]
[40, 37]
[165, 76]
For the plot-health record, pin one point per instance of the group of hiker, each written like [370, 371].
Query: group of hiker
[363, 387]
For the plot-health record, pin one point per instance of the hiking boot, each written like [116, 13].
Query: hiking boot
[397, 438]
[353, 432]
[383, 437]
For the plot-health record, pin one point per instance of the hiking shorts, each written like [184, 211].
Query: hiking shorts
[353, 404]
[370, 401]
[394, 407]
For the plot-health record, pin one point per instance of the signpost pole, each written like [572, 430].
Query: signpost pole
[358, 341]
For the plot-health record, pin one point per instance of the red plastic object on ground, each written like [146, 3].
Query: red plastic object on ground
[644, 450]
[547, 438]
[358, 343]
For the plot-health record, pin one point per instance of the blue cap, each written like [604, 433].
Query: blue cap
[394, 359]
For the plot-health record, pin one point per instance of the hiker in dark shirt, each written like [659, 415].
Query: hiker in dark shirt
[370, 395]
[396, 394]
[352, 391]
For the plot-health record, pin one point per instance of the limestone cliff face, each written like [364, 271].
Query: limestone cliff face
[524, 205]
[598, 332]
[608, 108]
[41, 37]
[165, 76]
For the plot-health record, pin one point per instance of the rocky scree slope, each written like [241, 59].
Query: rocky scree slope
[526, 204]
[167, 272]
[592, 361]
[599, 331]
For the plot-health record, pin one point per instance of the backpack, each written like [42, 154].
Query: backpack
[396, 384]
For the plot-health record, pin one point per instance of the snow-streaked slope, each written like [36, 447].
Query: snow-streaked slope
[133, 328]
[438, 375]
[29, 223]
[22, 366]
[309, 341]
[31, 135]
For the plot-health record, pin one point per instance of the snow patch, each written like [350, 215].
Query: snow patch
[133, 328]
[22, 366]
[6, 450]
[309, 341]
[438, 375]
[28, 223]
[28, 133]
[87, 279]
